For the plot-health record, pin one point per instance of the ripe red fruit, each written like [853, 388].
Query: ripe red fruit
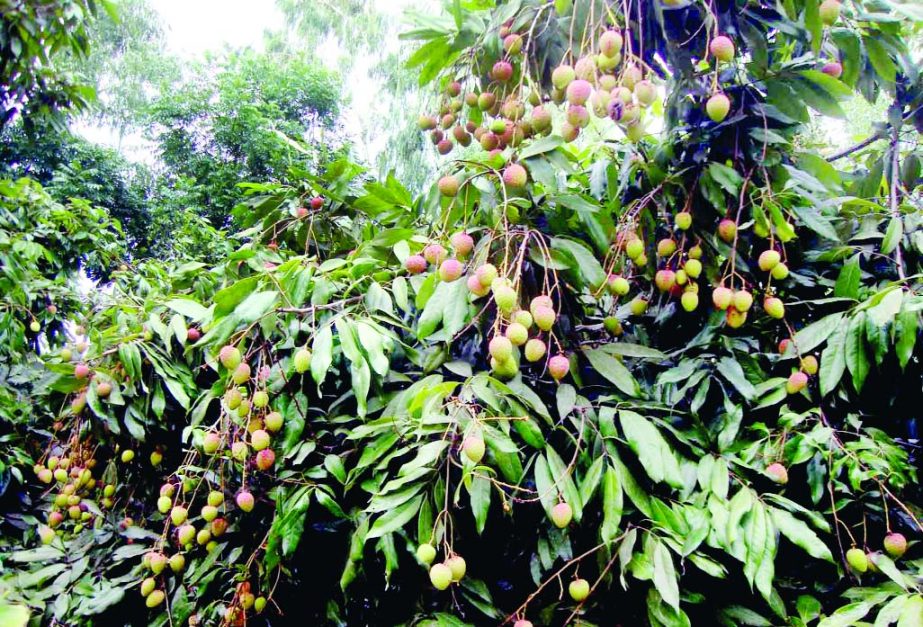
[317, 202]
[561, 515]
[777, 473]
[665, 279]
[722, 48]
[260, 439]
[245, 501]
[462, 243]
[434, 254]
[415, 264]
[895, 545]
[558, 367]
[666, 247]
[476, 287]
[718, 107]
[445, 147]
[211, 442]
[522, 623]
[193, 334]
[103, 389]
[610, 43]
[502, 71]
[727, 230]
[784, 344]
[578, 92]
[448, 186]
[81, 371]
[265, 459]
[515, 176]
[545, 317]
[797, 381]
[453, 88]
[834, 69]
[721, 297]
[450, 269]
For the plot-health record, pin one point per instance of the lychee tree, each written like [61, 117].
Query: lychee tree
[638, 355]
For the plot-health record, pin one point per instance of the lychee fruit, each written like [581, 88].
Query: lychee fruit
[777, 473]
[579, 589]
[562, 76]
[561, 515]
[502, 71]
[473, 448]
[462, 244]
[610, 43]
[829, 12]
[265, 459]
[426, 553]
[440, 576]
[515, 176]
[448, 186]
[774, 307]
[797, 381]
[718, 107]
[857, 560]
[558, 367]
[722, 48]
[809, 365]
[457, 566]
[450, 270]
[434, 254]
[414, 264]
[895, 545]
[517, 334]
[769, 259]
[578, 92]
[245, 501]
[834, 69]
[721, 297]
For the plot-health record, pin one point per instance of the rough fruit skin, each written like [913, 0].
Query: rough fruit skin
[210, 443]
[473, 447]
[502, 71]
[796, 382]
[81, 371]
[579, 589]
[260, 439]
[689, 301]
[777, 473]
[245, 501]
[448, 186]
[230, 357]
[524, 318]
[544, 318]
[515, 176]
[718, 107]
[722, 48]
[265, 459]
[727, 230]
[414, 264]
[178, 515]
[486, 274]
[505, 297]
[774, 307]
[450, 270]
[535, 350]
[500, 348]
[457, 566]
[522, 623]
[317, 202]
[693, 268]
[558, 366]
[462, 244]
[735, 319]
[578, 92]
[561, 515]
[562, 76]
[618, 285]
[426, 122]
[665, 279]
[440, 576]
[540, 301]
[895, 545]
[780, 272]
[857, 560]
[743, 300]
[426, 554]
[434, 254]
[177, 563]
[241, 374]
[147, 586]
[610, 43]
[769, 259]
[638, 306]
[645, 92]
[634, 248]
[517, 334]
[475, 286]
[154, 599]
[683, 220]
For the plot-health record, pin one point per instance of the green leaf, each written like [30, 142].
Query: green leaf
[653, 451]
[893, 235]
[255, 306]
[189, 308]
[833, 361]
[846, 616]
[564, 480]
[540, 146]
[613, 505]
[734, 373]
[879, 59]
[586, 265]
[800, 534]
[856, 359]
[905, 329]
[665, 579]
[816, 333]
[14, 615]
[479, 489]
[847, 283]
[613, 370]
[322, 353]
[395, 519]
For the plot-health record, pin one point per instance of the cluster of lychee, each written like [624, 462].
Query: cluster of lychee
[516, 325]
[894, 544]
[71, 474]
[737, 303]
[829, 13]
[34, 324]
[434, 254]
[316, 203]
[445, 573]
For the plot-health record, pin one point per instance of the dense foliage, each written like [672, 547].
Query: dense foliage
[638, 357]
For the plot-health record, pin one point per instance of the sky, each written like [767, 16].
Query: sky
[194, 26]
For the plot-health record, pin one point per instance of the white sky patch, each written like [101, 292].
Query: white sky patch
[196, 26]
